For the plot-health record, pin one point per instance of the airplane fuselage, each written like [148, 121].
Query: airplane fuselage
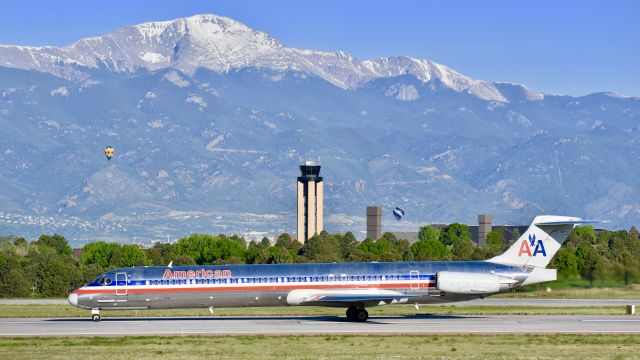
[279, 285]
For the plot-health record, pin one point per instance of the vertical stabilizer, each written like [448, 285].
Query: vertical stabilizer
[537, 246]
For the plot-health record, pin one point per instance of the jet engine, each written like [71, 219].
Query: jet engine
[471, 283]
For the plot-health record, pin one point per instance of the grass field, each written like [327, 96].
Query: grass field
[627, 292]
[56, 311]
[327, 347]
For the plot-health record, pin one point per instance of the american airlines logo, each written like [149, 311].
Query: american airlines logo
[196, 274]
[536, 244]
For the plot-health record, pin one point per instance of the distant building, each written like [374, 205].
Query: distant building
[374, 222]
[478, 232]
[484, 227]
[310, 201]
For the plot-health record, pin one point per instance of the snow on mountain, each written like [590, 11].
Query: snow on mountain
[222, 44]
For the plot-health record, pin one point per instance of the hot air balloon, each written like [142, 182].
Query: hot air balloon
[398, 212]
[109, 151]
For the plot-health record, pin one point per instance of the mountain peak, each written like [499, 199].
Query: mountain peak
[204, 22]
[222, 44]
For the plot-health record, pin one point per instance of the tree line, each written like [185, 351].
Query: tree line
[46, 268]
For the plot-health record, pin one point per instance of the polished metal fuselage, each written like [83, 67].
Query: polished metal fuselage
[271, 285]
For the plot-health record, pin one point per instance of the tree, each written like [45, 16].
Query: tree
[280, 255]
[99, 253]
[430, 250]
[566, 263]
[183, 260]
[132, 255]
[463, 249]
[515, 235]
[51, 273]
[58, 242]
[359, 255]
[161, 254]
[454, 232]
[494, 244]
[257, 254]
[20, 241]
[57, 276]
[208, 249]
[428, 233]
[384, 249]
[586, 233]
[265, 243]
[322, 248]
[388, 237]
[14, 283]
[348, 243]
[88, 273]
[284, 240]
[588, 260]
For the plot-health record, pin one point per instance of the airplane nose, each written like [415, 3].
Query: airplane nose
[73, 299]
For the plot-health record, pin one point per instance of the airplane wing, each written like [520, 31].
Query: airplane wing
[346, 297]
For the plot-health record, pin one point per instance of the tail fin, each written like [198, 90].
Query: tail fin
[540, 242]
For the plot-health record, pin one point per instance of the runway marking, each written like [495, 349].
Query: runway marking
[611, 320]
[409, 322]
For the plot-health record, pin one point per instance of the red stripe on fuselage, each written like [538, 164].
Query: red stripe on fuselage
[251, 288]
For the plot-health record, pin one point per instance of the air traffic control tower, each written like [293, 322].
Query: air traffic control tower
[310, 201]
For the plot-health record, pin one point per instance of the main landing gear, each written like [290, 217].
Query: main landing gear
[95, 315]
[355, 313]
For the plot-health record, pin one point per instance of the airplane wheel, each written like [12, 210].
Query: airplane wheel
[95, 317]
[351, 313]
[361, 315]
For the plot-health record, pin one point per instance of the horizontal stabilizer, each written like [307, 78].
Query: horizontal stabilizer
[574, 222]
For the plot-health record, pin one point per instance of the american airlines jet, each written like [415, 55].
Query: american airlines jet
[354, 286]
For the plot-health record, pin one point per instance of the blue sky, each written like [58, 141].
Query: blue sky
[566, 47]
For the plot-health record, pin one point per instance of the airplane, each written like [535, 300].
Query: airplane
[354, 286]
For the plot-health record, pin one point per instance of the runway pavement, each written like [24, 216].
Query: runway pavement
[421, 324]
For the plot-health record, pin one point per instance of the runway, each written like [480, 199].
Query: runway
[419, 324]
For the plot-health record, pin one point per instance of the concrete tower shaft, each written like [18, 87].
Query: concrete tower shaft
[310, 201]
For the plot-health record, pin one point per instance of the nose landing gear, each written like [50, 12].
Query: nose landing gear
[95, 315]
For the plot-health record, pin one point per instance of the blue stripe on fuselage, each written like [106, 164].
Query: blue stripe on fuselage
[426, 270]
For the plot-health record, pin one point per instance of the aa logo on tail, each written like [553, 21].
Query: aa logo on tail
[536, 245]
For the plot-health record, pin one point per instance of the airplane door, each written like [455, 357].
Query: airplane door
[414, 278]
[121, 284]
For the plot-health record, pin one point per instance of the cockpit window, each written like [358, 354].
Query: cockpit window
[104, 280]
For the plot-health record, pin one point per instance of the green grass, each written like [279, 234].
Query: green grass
[327, 347]
[576, 292]
[56, 311]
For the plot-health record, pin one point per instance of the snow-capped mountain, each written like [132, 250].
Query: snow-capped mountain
[210, 118]
[222, 44]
